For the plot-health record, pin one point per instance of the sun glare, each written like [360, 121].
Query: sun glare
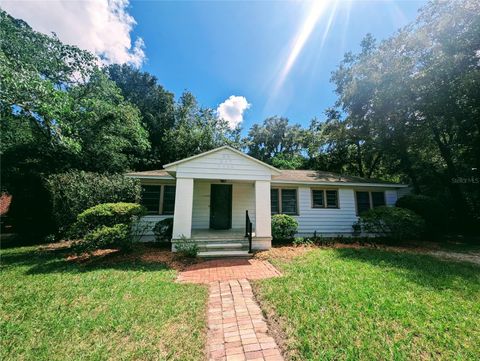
[316, 13]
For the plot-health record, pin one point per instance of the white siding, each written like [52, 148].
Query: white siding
[223, 164]
[326, 221]
[144, 228]
[391, 197]
[243, 198]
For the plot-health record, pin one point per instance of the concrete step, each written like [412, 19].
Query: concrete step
[223, 253]
[218, 245]
[221, 240]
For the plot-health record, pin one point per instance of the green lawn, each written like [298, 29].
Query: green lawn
[55, 310]
[368, 304]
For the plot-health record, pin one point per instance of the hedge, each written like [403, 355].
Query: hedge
[75, 191]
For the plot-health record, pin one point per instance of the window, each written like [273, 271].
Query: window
[332, 199]
[151, 198]
[283, 201]
[322, 198]
[363, 202]
[317, 198]
[368, 200]
[378, 199]
[289, 201]
[168, 199]
[274, 205]
[158, 199]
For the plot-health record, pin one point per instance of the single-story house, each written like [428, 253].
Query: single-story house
[210, 194]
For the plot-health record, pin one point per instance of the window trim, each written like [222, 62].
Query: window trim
[370, 199]
[280, 210]
[160, 199]
[324, 190]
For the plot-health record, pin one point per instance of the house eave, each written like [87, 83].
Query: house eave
[343, 184]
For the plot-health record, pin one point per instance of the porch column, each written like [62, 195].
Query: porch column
[182, 216]
[263, 217]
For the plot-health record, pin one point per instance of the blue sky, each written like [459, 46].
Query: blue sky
[266, 57]
[218, 49]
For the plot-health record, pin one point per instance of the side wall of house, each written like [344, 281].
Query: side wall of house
[331, 221]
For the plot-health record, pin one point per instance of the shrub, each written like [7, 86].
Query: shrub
[398, 224]
[116, 236]
[163, 230]
[284, 227]
[75, 191]
[186, 248]
[302, 241]
[430, 209]
[107, 214]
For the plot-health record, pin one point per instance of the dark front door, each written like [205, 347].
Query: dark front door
[221, 206]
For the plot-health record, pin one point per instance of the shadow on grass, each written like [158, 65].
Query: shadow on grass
[41, 261]
[425, 270]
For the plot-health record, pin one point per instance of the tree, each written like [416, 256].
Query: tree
[416, 94]
[275, 138]
[157, 108]
[197, 130]
[58, 111]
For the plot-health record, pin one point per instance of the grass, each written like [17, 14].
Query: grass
[366, 304]
[57, 310]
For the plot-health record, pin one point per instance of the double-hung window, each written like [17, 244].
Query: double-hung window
[324, 198]
[158, 199]
[284, 201]
[367, 200]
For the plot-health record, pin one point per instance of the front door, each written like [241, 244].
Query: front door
[221, 206]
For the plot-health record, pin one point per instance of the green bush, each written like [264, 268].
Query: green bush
[397, 224]
[75, 191]
[284, 227]
[163, 230]
[107, 214]
[302, 241]
[186, 248]
[116, 236]
[431, 210]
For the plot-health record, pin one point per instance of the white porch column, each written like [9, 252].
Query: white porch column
[263, 217]
[182, 217]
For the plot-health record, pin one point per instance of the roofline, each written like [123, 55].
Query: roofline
[216, 150]
[393, 185]
[149, 176]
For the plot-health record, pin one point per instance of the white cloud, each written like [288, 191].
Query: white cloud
[100, 26]
[232, 110]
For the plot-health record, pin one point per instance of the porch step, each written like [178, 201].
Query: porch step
[222, 245]
[223, 253]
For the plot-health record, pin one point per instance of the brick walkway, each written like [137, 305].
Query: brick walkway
[237, 330]
[228, 269]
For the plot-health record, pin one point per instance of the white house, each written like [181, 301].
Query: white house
[209, 196]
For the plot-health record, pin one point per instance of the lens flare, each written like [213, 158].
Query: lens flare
[315, 12]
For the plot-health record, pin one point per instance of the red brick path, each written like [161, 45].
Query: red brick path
[227, 269]
[237, 330]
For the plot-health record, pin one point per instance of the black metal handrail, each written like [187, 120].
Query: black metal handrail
[248, 231]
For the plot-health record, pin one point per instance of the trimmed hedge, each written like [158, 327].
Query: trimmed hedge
[397, 224]
[116, 236]
[284, 227]
[107, 214]
[75, 191]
